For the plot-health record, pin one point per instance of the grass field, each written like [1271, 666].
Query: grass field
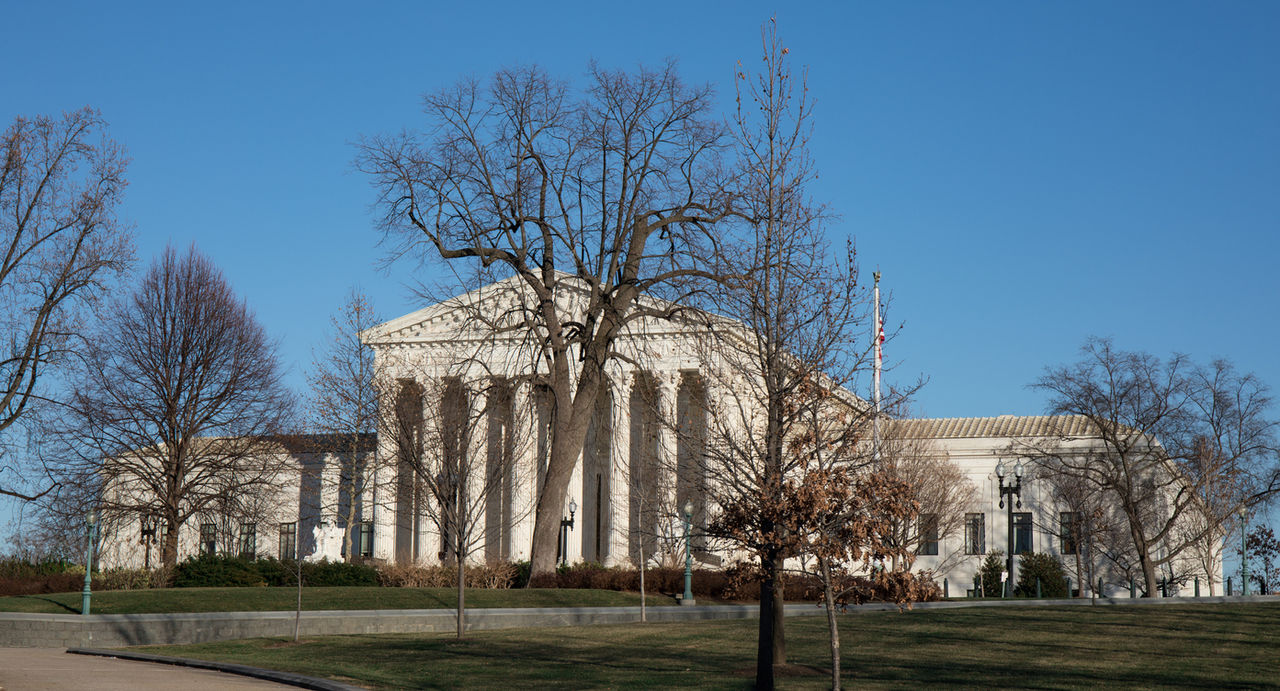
[1185, 646]
[277, 599]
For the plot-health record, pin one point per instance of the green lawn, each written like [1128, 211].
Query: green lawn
[1186, 646]
[275, 599]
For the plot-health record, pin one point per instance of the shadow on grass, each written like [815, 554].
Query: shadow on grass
[72, 610]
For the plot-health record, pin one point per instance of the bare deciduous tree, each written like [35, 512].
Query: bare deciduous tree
[460, 445]
[1173, 445]
[778, 406]
[592, 200]
[179, 401]
[60, 182]
[941, 488]
[344, 406]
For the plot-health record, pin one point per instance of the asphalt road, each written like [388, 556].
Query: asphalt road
[23, 669]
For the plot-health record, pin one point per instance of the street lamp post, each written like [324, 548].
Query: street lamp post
[688, 555]
[1244, 556]
[91, 519]
[1012, 490]
[149, 523]
[566, 524]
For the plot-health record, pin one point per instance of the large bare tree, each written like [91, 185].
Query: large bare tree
[593, 199]
[1173, 445]
[180, 400]
[61, 245]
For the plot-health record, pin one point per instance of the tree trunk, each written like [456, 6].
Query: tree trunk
[462, 582]
[297, 616]
[568, 435]
[643, 598]
[169, 548]
[771, 647]
[1143, 549]
[833, 629]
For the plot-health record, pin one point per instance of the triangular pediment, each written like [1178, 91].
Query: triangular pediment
[454, 317]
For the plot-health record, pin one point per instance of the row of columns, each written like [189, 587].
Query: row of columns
[623, 481]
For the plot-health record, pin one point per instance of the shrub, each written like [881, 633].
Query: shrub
[127, 579]
[215, 571]
[40, 584]
[500, 575]
[277, 573]
[338, 573]
[991, 572]
[1047, 569]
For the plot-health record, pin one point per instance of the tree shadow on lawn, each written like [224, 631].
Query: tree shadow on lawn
[69, 608]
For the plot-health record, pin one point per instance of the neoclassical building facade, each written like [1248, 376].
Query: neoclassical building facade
[446, 358]
[462, 444]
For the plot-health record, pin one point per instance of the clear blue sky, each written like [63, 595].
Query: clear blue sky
[1023, 174]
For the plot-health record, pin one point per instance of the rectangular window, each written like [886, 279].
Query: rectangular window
[208, 538]
[975, 533]
[1068, 527]
[288, 541]
[248, 547]
[928, 534]
[1022, 533]
[366, 539]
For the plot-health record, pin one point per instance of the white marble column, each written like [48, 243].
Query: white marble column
[524, 485]
[668, 383]
[477, 462]
[381, 492]
[619, 469]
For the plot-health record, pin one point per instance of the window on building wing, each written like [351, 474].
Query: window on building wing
[1068, 528]
[366, 539]
[928, 534]
[975, 533]
[208, 538]
[288, 541]
[1022, 533]
[248, 545]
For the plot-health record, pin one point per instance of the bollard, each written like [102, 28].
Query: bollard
[945, 593]
[1133, 591]
[1038, 595]
[1197, 586]
[977, 586]
[1228, 586]
[1068, 587]
[1099, 592]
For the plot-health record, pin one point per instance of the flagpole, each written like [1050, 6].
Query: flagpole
[877, 336]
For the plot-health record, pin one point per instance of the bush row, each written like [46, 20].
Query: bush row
[228, 571]
[214, 571]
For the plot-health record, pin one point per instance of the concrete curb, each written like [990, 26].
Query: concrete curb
[299, 680]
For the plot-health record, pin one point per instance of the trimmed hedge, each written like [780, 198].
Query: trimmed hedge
[221, 571]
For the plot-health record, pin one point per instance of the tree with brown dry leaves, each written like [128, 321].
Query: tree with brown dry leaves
[781, 420]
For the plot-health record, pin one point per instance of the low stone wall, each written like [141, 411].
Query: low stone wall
[117, 630]
[18, 630]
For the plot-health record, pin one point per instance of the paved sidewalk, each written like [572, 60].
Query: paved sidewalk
[23, 669]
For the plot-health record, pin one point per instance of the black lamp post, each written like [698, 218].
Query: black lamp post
[149, 523]
[1013, 490]
[566, 524]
